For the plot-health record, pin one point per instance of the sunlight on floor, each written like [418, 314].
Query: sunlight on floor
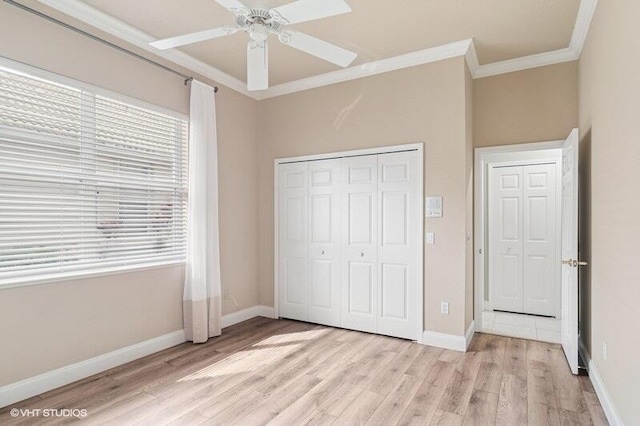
[265, 352]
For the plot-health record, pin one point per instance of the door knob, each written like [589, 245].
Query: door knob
[321, 251]
[361, 254]
[567, 262]
[579, 263]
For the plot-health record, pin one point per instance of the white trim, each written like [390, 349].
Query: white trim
[608, 407]
[468, 336]
[246, 314]
[91, 273]
[449, 341]
[583, 22]
[481, 160]
[421, 57]
[117, 28]
[526, 62]
[419, 147]
[41, 383]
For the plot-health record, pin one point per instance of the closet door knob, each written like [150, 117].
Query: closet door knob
[361, 254]
[321, 251]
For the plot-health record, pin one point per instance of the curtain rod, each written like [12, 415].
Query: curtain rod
[187, 78]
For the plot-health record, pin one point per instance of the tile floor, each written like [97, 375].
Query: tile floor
[522, 326]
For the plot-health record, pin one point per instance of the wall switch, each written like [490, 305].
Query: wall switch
[444, 308]
[430, 238]
[604, 350]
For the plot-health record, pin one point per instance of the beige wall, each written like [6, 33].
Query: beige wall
[609, 117]
[534, 105]
[420, 104]
[48, 326]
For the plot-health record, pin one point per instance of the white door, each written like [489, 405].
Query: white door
[360, 243]
[505, 238]
[540, 257]
[293, 241]
[570, 250]
[324, 242]
[397, 244]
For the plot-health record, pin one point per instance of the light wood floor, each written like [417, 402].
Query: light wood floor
[290, 373]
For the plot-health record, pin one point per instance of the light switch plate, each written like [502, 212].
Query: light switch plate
[430, 238]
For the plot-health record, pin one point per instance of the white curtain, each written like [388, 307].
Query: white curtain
[202, 290]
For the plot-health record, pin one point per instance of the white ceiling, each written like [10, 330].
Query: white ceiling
[502, 30]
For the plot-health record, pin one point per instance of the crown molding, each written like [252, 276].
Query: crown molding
[100, 20]
[526, 62]
[583, 23]
[421, 57]
[466, 48]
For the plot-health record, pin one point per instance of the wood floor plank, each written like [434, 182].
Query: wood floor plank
[361, 409]
[568, 390]
[393, 406]
[458, 393]
[289, 372]
[595, 409]
[444, 418]
[423, 406]
[515, 361]
[512, 405]
[423, 363]
[483, 408]
[542, 415]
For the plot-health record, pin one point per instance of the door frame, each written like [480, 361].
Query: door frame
[483, 157]
[419, 147]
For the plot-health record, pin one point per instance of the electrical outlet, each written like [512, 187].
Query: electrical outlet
[604, 350]
[444, 308]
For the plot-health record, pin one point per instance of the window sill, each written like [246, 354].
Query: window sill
[70, 276]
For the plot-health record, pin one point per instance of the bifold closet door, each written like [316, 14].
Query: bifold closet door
[359, 216]
[540, 268]
[397, 244]
[505, 243]
[324, 242]
[523, 241]
[293, 244]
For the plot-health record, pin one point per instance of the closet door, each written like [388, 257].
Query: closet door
[505, 243]
[397, 244]
[359, 270]
[324, 242]
[540, 240]
[293, 240]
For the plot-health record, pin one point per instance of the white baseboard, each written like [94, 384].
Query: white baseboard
[449, 341]
[41, 383]
[246, 314]
[598, 385]
[468, 336]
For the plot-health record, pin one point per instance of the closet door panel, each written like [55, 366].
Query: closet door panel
[324, 242]
[397, 245]
[293, 243]
[359, 234]
[540, 243]
[505, 238]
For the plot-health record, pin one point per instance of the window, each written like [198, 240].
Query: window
[87, 181]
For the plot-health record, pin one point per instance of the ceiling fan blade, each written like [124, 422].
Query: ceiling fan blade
[309, 10]
[319, 48]
[169, 43]
[234, 6]
[257, 66]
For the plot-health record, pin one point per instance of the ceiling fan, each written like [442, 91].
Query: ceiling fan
[259, 23]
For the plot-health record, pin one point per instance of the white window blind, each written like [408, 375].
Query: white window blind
[87, 182]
